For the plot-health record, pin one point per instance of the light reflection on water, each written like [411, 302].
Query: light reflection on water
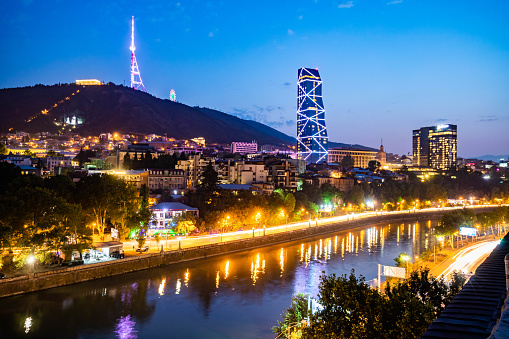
[237, 295]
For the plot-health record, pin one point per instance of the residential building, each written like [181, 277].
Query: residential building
[344, 184]
[360, 157]
[164, 213]
[244, 147]
[312, 137]
[282, 173]
[166, 179]
[249, 172]
[53, 163]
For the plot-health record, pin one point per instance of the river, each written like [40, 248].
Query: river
[238, 295]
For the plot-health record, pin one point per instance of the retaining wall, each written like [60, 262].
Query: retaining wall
[71, 275]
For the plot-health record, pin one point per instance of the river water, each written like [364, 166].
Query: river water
[232, 296]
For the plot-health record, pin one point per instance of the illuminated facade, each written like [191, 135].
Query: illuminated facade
[361, 158]
[311, 131]
[136, 82]
[89, 82]
[435, 147]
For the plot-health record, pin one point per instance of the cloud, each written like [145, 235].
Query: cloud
[488, 118]
[211, 34]
[347, 4]
[394, 2]
[300, 17]
[441, 120]
[263, 115]
[290, 32]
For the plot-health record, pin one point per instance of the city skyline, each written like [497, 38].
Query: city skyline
[390, 66]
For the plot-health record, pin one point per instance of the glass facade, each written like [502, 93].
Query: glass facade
[435, 147]
[311, 131]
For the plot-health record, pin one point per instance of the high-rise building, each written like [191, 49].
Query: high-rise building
[311, 131]
[435, 147]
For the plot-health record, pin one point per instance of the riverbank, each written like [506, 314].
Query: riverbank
[66, 276]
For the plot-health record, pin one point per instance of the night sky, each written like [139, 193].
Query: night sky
[388, 66]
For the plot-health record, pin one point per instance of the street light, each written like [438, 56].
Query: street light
[258, 217]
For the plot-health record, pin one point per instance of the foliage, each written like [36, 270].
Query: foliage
[402, 259]
[347, 161]
[209, 177]
[373, 165]
[140, 239]
[292, 316]
[351, 309]
[3, 148]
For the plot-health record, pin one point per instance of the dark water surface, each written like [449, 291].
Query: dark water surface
[232, 296]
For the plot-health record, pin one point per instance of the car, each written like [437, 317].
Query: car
[142, 249]
[117, 255]
[2, 276]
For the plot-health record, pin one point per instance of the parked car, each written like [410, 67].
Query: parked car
[2, 276]
[117, 254]
[142, 249]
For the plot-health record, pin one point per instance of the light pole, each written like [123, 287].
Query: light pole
[263, 230]
[258, 218]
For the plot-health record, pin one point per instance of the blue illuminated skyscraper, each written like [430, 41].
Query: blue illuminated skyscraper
[311, 130]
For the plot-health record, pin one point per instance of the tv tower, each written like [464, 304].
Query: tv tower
[136, 82]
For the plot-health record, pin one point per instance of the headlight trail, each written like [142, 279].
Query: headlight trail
[466, 259]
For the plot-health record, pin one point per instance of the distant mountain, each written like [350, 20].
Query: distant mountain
[495, 158]
[115, 108]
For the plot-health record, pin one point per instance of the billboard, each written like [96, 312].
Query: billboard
[391, 271]
[468, 231]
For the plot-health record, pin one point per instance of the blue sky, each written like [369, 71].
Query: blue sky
[388, 66]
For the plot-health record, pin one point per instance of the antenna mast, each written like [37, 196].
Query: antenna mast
[136, 82]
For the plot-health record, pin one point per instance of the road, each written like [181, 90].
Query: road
[195, 241]
[465, 260]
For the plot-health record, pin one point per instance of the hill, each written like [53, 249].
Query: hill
[115, 108]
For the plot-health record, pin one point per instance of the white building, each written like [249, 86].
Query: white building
[244, 147]
[163, 213]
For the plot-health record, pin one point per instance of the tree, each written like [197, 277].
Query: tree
[99, 196]
[292, 316]
[127, 161]
[356, 195]
[436, 193]
[125, 207]
[373, 165]
[347, 161]
[450, 222]
[52, 153]
[29, 153]
[289, 203]
[3, 148]
[351, 309]
[209, 177]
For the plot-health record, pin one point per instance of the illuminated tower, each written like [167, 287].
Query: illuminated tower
[311, 131]
[136, 82]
